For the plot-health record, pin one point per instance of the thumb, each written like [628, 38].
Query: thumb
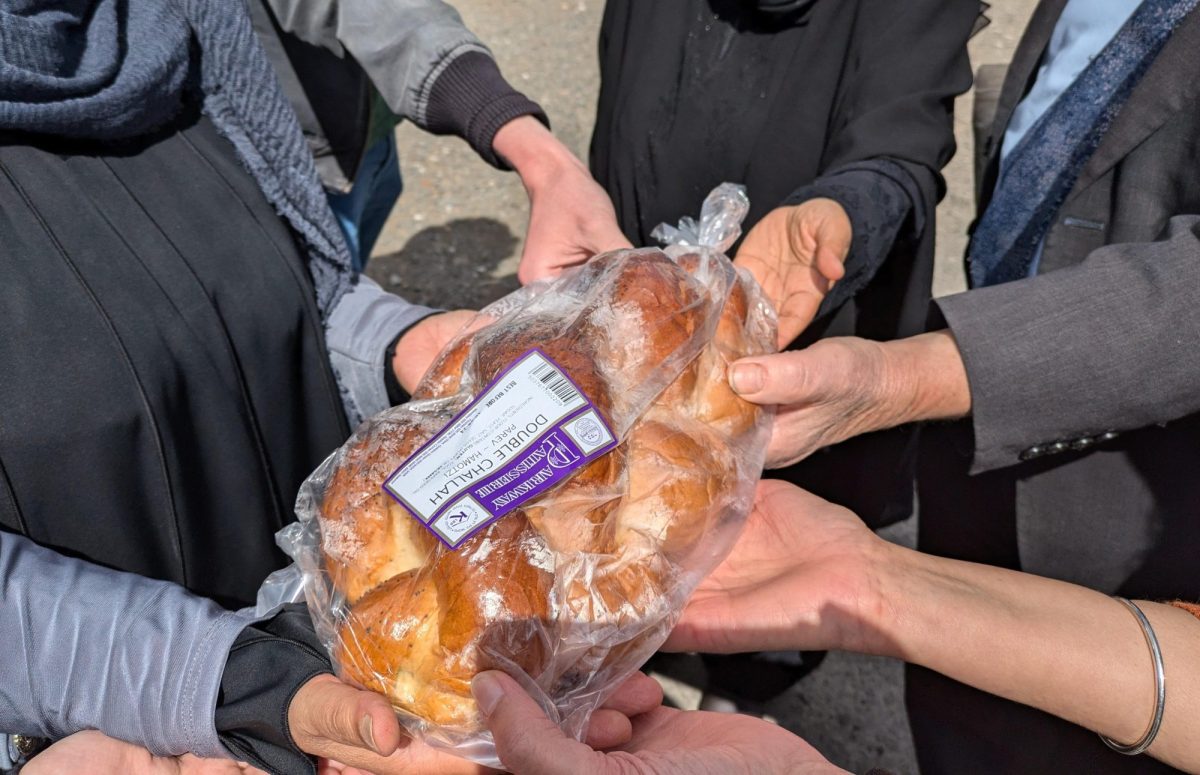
[781, 378]
[527, 741]
[831, 260]
[326, 710]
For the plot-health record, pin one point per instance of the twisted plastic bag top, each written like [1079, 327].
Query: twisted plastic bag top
[576, 586]
[720, 221]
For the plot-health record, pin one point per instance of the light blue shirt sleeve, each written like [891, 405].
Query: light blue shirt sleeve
[85, 647]
[1082, 32]
[357, 333]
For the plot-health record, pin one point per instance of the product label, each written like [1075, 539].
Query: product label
[528, 430]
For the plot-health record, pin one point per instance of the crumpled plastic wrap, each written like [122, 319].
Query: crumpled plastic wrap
[573, 590]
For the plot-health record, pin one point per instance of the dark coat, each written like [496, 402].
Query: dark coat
[1080, 460]
[164, 377]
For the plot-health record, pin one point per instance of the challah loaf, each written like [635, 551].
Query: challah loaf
[574, 589]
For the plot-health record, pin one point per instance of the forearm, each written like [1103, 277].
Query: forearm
[923, 378]
[85, 647]
[1062, 648]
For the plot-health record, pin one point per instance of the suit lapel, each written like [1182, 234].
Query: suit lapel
[1170, 86]
[1016, 83]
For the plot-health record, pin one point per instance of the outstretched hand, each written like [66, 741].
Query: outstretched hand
[797, 253]
[803, 575]
[358, 730]
[845, 386]
[571, 217]
[570, 220]
[665, 741]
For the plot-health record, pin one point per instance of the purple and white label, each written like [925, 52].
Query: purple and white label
[525, 432]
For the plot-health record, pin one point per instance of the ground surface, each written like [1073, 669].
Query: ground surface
[455, 238]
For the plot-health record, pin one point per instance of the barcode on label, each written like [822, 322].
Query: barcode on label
[558, 384]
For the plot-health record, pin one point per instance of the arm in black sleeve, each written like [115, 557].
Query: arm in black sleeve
[893, 129]
[267, 665]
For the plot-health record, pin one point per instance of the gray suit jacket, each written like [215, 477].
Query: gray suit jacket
[1085, 379]
[1082, 456]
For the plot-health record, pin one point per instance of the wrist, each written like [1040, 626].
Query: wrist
[926, 379]
[403, 364]
[876, 624]
[533, 151]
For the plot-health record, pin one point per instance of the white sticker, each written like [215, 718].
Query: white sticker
[525, 432]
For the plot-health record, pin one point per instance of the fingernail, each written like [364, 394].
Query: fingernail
[487, 691]
[367, 729]
[747, 378]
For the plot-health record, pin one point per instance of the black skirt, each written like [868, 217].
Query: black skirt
[164, 386]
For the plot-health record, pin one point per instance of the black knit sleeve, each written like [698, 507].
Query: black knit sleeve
[267, 665]
[471, 99]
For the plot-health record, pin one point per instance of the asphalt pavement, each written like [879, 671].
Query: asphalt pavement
[455, 238]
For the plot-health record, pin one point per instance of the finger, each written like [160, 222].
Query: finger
[325, 709]
[527, 741]
[831, 261]
[639, 694]
[608, 729]
[782, 378]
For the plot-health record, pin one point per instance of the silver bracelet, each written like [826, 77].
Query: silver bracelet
[1160, 687]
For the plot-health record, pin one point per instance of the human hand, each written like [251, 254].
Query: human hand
[842, 387]
[797, 253]
[98, 754]
[805, 574]
[571, 217]
[423, 342]
[665, 741]
[357, 731]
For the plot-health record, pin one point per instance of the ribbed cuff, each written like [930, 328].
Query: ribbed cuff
[395, 391]
[471, 99]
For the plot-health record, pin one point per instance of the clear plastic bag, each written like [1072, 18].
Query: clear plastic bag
[574, 589]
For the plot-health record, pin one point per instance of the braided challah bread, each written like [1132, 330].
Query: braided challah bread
[574, 589]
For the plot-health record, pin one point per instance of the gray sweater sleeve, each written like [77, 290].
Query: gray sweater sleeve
[1068, 358]
[84, 647]
[429, 68]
